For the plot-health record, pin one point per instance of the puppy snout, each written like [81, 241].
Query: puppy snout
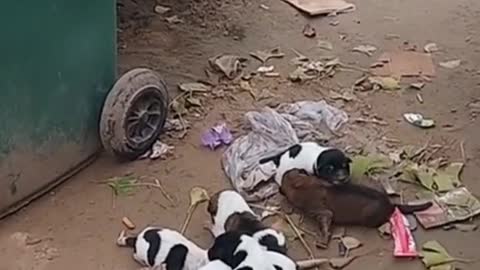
[342, 176]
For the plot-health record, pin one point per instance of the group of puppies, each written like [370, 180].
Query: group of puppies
[313, 178]
[242, 242]
[316, 180]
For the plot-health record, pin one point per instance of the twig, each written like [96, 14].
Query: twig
[462, 151]
[299, 235]
[162, 189]
[292, 225]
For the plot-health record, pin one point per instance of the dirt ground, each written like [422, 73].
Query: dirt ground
[77, 223]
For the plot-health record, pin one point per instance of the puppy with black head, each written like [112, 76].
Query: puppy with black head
[242, 252]
[163, 248]
[230, 212]
[349, 204]
[329, 164]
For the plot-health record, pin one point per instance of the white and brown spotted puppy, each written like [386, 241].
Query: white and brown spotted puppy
[164, 248]
[242, 252]
[230, 212]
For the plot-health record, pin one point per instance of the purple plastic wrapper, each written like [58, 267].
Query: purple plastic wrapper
[216, 136]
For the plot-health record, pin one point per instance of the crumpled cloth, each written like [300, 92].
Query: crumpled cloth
[273, 131]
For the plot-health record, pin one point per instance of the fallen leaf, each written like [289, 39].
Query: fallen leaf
[229, 65]
[385, 230]
[434, 254]
[417, 86]
[122, 185]
[323, 44]
[265, 69]
[431, 48]
[366, 49]
[418, 120]
[442, 267]
[450, 64]
[174, 19]
[192, 101]
[465, 227]
[448, 178]
[194, 87]
[362, 165]
[341, 262]
[334, 23]
[309, 31]
[350, 242]
[161, 9]
[264, 56]
[386, 83]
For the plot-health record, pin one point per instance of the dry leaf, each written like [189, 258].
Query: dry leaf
[194, 87]
[366, 49]
[435, 254]
[386, 83]
[194, 101]
[450, 64]
[431, 48]
[198, 195]
[417, 86]
[263, 56]
[350, 242]
[465, 227]
[323, 44]
[309, 31]
[362, 165]
[341, 262]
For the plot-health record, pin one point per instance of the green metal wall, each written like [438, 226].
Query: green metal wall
[57, 63]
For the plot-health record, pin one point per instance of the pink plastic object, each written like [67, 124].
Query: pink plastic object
[403, 239]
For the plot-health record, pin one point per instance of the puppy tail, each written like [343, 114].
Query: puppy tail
[126, 241]
[409, 209]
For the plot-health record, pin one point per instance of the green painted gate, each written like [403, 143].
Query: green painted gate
[57, 64]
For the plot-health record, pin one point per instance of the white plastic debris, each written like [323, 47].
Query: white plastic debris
[418, 120]
[273, 131]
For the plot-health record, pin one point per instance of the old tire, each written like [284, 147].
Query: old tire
[134, 114]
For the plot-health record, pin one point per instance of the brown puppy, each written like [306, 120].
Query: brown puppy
[349, 204]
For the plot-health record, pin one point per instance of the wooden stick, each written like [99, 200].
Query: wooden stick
[462, 151]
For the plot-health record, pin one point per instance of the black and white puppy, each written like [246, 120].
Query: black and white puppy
[242, 252]
[230, 212]
[164, 248]
[329, 164]
[216, 265]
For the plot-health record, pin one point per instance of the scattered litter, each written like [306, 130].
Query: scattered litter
[159, 149]
[198, 195]
[174, 19]
[386, 83]
[216, 136]
[264, 56]
[346, 96]
[417, 86]
[456, 205]
[128, 223]
[334, 23]
[350, 243]
[402, 63]
[341, 262]
[385, 230]
[450, 64]
[404, 243]
[193, 101]
[362, 165]
[314, 7]
[314, 69]
[229, 65]
[465, 227]
[122, 185]
[272, 74]
[431, 48]
[419, 98]
[265, 7]
[309, 31]
[269, 211]
[418, 120]
[161, 9]
[366, 49]
[271, 132]
[194, 87]
[323, 44]
[434, 254]
[265, 69]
